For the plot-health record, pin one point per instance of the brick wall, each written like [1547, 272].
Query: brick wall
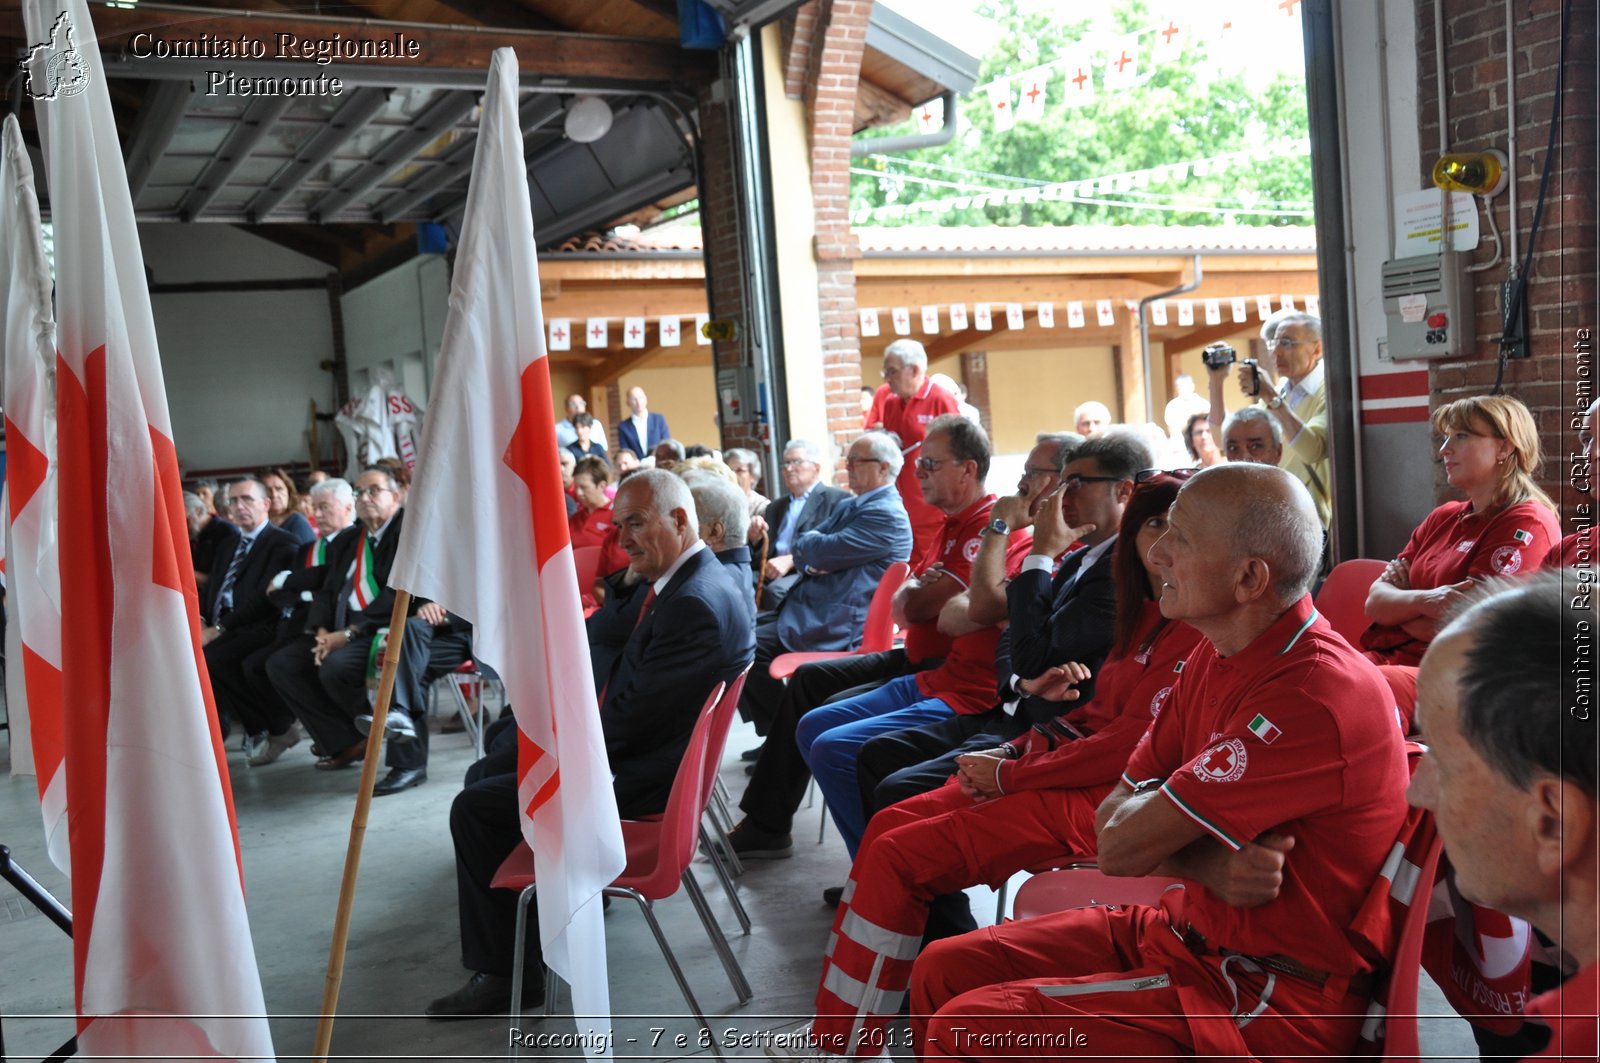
[838, 36]
[1562, 281]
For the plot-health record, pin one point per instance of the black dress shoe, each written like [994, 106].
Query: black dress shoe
[832, 896]
[749, 756]
[485, 995]
[399, 779]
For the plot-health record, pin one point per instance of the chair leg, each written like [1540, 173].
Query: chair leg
[730, 963]
[672, 960]
[822, 825]
[1000, 902]
[734, 863]
[470, 719]
[723, 876]
[519, 956]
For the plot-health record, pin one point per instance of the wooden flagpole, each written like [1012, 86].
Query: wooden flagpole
[358, 825]
[761, 569]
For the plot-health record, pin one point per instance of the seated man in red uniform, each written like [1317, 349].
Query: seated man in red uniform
[912, 405]
[1271, 784]
[1510, 777]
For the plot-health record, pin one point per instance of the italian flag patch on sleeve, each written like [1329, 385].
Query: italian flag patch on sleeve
[1522, 537]
[1264, 729]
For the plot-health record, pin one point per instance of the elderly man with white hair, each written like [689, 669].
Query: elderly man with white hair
[690, 633]
[804, 505]
[913, 404]
[723, 520]
[1291, 387]
[1091, 417]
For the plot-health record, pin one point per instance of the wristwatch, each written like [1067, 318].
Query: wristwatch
[349, 634]
[1274, 402]
[997, 526]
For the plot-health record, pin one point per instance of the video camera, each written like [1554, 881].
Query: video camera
[1221, 355]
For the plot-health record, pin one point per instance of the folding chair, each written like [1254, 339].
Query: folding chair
[1342, 599]
[659, 853]
[465, 685]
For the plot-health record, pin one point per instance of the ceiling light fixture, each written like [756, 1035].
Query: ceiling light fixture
[588, 119]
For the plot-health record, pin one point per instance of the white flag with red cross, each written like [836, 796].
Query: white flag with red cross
[1032, 89]
[1000, 106]
[596, 333]
[560, 334]
[1122, 62]
[1075, 315]
[633, 332]
[930, 320]
[901, 318]
[869, 322]
[1077, 66]
[670, 333]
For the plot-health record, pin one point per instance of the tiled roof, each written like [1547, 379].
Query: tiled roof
[934, 241]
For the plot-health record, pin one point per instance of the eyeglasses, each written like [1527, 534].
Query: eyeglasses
[1273, 345]
[931, 464]
[1076, 482]
[1145, 476]
[374, 491]
[1031, 471]
[795, 463]
[891, 370]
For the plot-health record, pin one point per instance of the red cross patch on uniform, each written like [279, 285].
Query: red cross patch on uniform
[1223, 762]
[1506, 560]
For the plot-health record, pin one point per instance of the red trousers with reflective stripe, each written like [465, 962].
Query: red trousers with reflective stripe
[935, 843]
[1101, 983]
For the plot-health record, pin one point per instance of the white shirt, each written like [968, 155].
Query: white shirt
[672, 570]
[641, 428]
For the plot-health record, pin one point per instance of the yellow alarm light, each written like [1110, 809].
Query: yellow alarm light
[1483, 173]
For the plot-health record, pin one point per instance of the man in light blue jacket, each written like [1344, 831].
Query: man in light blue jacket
[840, 562]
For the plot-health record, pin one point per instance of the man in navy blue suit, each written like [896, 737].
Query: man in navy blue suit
[641, 430]
[690, 631]
[803, 505]
[838, 565]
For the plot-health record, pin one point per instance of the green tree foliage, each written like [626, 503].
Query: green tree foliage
[1180, 110]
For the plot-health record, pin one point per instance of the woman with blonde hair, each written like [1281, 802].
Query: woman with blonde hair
[283, 505]
[1505, 525]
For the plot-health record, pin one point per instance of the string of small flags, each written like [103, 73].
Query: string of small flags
[1184, 312]
[596, 332]
[1089, 189]
[1116, 62]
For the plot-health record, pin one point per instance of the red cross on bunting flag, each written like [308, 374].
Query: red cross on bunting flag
[595, 334]
[958, 316]
[1286, 302]
[1169, 41]
[1241, 311]
[560, 334]
[869, 323]
[1213, 312]
[981, 317]
[1185, 312]
[1263, 306]
[1000, 105]
[1030, 106]
[930, 320]
[1014, 316]
[633, 332]
[1047, 315]
[669, 331]
[930, 116]
[1103, 312]
[1078, 64]
[901, 316]
[1158, 312]
[1075, 315]
[1122, 62]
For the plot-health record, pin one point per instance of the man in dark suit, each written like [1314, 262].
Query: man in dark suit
[333, 504]
[689, 632]
[239, 620]
[838, 564]
[804, 505]
[327, 688]
[642, 430]
[724, 517]
[207, 533]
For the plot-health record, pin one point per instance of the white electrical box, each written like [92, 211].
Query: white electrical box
[1429, 305]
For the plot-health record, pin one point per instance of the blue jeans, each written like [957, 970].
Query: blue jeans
[830, 736]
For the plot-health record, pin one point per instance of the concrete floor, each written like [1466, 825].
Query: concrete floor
[403, 948]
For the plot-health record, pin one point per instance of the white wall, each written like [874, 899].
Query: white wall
[240, 367]
[396, 322]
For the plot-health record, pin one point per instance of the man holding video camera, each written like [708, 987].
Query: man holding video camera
[1288, 383]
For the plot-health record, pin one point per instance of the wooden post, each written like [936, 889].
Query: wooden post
[358, 824]
[1130, 370]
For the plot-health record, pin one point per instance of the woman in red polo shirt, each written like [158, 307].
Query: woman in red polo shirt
[1505, 526]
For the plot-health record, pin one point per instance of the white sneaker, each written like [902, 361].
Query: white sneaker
[276, 745]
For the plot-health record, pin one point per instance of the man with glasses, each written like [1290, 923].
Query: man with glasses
[912, 405]
[838, 565]
[1061, 607]
[1297, 399]
[805, 505]
[327, 687]
[236, 626]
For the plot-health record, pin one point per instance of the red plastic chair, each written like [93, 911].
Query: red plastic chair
[1342, 599]
[724, 857]
[587, 561]
[877, 633]
[1082, 885]
[658, 856]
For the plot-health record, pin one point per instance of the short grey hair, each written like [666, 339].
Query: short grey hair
[667, 493]
[1249, 415]
[812, 452]
[1285, 532]
[1067, 444]
[910, 352]
[339, 488]
[720, 500]
[1092, 407]
[748, 458]
[883, 448]
[1285, 318]
[1518, 702]
[192, 503]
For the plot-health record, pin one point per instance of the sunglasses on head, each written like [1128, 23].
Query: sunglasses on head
[1145, 476]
